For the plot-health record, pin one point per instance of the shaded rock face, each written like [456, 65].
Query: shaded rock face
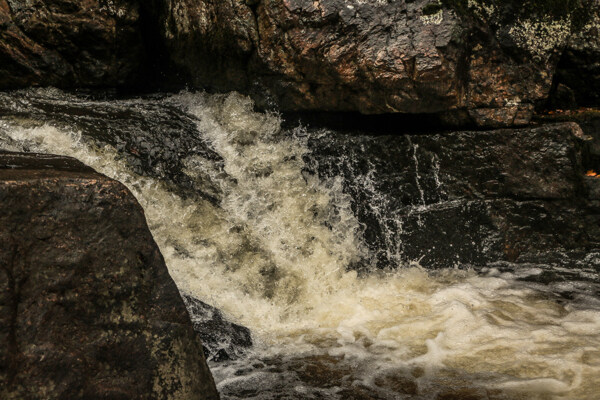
[87, 307]
[471, 198]
[482, 61]
[579, 66]
[70, 43]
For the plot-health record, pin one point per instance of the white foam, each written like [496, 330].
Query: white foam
[273, 256]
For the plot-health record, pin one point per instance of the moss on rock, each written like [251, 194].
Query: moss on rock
[536, 26]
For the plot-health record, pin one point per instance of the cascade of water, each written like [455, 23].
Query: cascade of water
[273, 252]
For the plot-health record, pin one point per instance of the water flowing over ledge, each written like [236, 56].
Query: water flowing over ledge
[249, 225]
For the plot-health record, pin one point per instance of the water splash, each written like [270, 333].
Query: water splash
[273, 253]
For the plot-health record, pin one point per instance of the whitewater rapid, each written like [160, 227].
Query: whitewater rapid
[274, 254]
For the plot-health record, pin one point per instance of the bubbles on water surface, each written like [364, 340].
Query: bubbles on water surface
[273, 250]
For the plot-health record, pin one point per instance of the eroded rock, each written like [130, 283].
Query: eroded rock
[87, 307]
[483, 61]
[469, 198]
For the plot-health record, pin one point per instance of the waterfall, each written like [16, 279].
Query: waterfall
[276, 248]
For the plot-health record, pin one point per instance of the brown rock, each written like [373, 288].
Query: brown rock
[87, 307]
[372, 57]
[69, 43]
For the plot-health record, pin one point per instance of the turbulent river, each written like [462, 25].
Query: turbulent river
[247, 226]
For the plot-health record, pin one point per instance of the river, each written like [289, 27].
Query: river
[246, 225]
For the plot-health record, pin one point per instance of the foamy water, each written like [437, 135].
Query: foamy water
[274, 253]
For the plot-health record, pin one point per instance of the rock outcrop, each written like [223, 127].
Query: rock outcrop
[70, 43]
[579, 68]
[471, 198]
[482, 62]
[87, 307]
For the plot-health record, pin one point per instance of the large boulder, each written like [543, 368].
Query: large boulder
[484, 61]
[87, 307]
[70, 43]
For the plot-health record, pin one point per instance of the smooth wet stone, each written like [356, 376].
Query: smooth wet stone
[87, 307]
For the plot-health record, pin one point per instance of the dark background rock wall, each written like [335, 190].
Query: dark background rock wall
[487, 62]
[70, 43]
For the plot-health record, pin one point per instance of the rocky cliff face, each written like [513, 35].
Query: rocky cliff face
[87, 307]
[487, 62]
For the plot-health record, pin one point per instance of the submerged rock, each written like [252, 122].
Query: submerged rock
[87, 307]
[222, 340]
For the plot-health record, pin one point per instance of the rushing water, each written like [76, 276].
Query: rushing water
[245, 228]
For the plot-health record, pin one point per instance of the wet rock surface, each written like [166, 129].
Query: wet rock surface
[153, 137]
[70, 43]
[469, 198]
[87, 307]
[222, 340]
[462, 197]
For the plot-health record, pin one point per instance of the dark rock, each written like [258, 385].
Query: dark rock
[70, 43]
[467, 197]
[579, 66]
[589, 121]
[87, 307]
[222, 340]
[562, 98]
[154, 137]
[485, 61]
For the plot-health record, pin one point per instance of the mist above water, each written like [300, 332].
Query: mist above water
[276, 249]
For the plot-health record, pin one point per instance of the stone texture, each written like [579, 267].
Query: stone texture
[70, 43]
[222, 340]
[154, 137]
[470, 198]
[475, 61]
[482, 62]
[87, 307]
